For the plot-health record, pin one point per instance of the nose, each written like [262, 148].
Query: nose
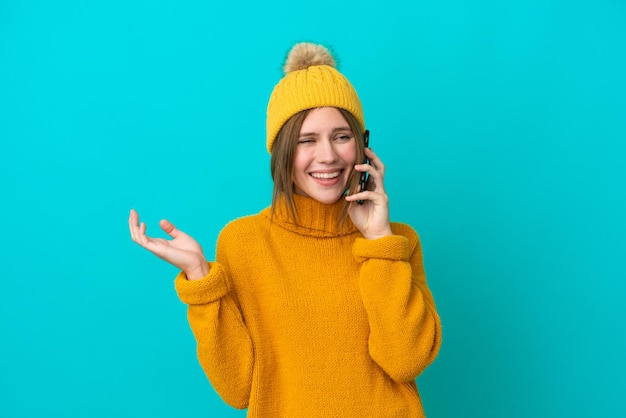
[326, 152]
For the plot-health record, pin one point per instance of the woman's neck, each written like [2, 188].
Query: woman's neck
[313, 218]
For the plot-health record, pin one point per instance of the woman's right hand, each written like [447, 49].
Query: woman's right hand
[182, 251]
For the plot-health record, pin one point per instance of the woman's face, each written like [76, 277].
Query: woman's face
[324, 156]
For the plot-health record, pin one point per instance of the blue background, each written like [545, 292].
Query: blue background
[502, 124]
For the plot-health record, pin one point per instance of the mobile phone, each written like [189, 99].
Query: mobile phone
[364, 175]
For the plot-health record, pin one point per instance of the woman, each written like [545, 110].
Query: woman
[318, 305]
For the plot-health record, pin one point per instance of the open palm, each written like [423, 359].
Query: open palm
[182, 250]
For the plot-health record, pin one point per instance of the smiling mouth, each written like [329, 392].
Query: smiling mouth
[326, 176]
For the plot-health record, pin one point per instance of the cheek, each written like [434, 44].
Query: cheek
[300, 164]
[349, 154]
[300, 161]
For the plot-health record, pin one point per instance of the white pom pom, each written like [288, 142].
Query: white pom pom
[305, 54]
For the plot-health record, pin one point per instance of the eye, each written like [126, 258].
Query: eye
[343, 138]
[305, 141]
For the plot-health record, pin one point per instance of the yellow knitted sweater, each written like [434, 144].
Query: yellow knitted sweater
[312, 319]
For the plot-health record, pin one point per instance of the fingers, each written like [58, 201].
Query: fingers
[132, 224]
[137, 230]
[376, 197]
[169, 228]
[371, 170]
[375, 161]
[375, 169]
[357, 196]
[375, 183]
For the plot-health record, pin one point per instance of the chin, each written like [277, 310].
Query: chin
[327, 196]
[327, 199]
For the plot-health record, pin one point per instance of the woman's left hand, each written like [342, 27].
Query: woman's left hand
[372, 217]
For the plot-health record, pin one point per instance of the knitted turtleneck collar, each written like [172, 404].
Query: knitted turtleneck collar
[313, 218]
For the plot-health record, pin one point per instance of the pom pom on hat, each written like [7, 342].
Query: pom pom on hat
[311, 80]
[305, 55]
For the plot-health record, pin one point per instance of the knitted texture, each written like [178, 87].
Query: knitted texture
[313, 320]
[308, 88]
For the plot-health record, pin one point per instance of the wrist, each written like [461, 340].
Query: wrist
[382, 234]
[198, 273]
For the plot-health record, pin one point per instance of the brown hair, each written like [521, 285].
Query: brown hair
[281, 163]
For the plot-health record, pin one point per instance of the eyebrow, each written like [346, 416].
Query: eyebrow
[334, 131]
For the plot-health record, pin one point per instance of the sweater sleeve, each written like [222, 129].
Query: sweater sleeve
[223, 341]
[405, 329]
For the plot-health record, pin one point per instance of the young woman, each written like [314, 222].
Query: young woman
[317, 306]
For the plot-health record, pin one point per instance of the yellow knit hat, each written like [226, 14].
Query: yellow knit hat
[311, 80]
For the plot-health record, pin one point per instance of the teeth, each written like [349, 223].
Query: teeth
[325, 175]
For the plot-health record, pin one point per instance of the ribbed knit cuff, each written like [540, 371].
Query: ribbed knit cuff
[206, 290]
[393, 247]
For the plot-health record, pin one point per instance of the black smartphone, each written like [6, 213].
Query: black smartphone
[364, 175]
